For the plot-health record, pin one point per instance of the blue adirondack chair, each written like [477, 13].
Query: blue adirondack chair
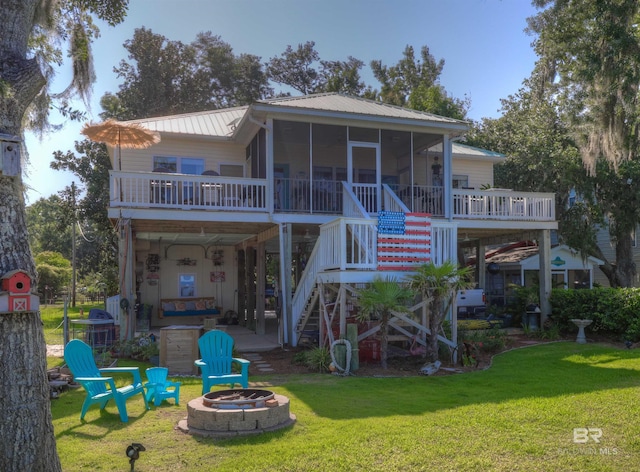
[159, 388]
[79, 358]
[216, 349]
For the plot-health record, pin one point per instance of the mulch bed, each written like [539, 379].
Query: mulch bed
[282, 361]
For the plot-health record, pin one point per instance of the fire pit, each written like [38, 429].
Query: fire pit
[245, 398]
[228, 413]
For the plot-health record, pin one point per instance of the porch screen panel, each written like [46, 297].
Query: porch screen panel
[292, 166]
[427, 187]
[367, 135]
[329, 159]
[396, 162]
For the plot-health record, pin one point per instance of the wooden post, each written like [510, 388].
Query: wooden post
[251, 287]
[242, 284]
[544, 251]
[260, 288]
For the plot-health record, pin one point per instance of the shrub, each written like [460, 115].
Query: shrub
[319, 359]
[614, 311]
[488, 340]
[300, 358]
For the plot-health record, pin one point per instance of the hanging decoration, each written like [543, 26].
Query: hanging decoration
[217, 276]
[152, 278]
[218, 257]
[153, 262]
[187, 262]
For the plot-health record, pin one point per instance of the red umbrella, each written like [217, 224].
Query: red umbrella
[122, 135]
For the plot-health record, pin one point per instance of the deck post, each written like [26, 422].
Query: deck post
[285, 282]
[260, 287]
[242, 284]
[481, 265]
[250, 258]
[544, 252]
[127, 292]
[342, 295]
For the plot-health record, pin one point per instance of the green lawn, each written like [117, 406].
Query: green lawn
[518, 415]
[52, 316]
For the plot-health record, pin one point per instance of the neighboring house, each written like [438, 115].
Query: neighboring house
[519, 263]
[310, 191]
[608, 248]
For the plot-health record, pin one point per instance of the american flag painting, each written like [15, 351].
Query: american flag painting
[404, 240]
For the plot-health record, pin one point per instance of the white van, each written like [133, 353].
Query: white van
[471, 303]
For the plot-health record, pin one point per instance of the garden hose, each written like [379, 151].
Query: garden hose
[342, 371]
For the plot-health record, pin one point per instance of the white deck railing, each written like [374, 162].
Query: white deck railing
[391, 201]
[503, 205]
[159, 190]
[305, 287]
[147, 189]
[356, 248]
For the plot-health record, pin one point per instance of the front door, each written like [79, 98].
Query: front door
[363, 173]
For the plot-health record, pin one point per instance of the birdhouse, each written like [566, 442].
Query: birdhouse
[16, 292]
[9, 155]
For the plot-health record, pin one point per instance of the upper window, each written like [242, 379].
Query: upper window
[232, 170]
[181, 165]
[460, 181]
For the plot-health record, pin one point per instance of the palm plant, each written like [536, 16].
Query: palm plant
[438, 285]
[381, 298]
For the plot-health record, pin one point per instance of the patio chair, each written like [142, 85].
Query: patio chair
[216, 348]
[79, 358]
[159, 388]
[162, 190]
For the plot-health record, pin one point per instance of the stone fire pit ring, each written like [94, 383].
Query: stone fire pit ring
[216, 415]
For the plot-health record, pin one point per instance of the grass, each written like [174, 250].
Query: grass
[52, 316]
[518, 415]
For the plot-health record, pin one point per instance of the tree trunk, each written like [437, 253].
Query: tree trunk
[432, 352]
[436, 318]
[384, 340]
[625, 271]
[26, 428]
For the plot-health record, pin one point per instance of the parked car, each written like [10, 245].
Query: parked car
[471, 303]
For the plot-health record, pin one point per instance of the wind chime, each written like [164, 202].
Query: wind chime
[218, 275]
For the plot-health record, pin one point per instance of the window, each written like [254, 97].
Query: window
[232, 170]
[187, 285]
[579, 279]
[181, 165]
[460, 181]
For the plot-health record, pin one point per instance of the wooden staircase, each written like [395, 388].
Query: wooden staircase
[357, 247]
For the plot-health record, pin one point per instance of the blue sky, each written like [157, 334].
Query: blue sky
[487, 54]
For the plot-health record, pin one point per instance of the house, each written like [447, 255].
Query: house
[519, 264]
[320, 193]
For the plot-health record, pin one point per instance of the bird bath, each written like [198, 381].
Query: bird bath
[581, 324]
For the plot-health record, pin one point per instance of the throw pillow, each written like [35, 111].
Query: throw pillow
[169, 306]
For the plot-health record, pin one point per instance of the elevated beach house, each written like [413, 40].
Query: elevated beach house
[291, 204]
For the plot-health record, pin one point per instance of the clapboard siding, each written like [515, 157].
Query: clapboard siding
[480, 173]
[214, 153]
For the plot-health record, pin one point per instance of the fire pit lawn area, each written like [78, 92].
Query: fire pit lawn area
[236, 412]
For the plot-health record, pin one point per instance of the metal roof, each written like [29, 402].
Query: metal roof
[222, 123]
[335, 102]
[214, 123]
[460, 149]
[464, 150]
